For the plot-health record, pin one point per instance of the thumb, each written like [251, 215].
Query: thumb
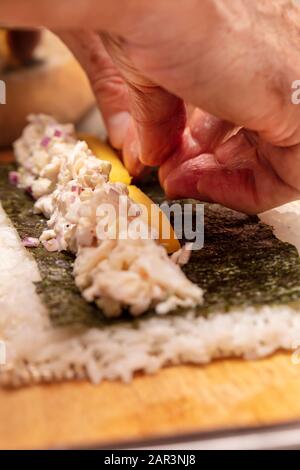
[159, 116]
[109, 88]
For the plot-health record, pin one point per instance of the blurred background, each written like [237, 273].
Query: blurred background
[42, 76]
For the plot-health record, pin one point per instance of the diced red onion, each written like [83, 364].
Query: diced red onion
[29, 190]
[76, 189]
[14, 177]
[30, 242]
[45, 141]
[57, 133]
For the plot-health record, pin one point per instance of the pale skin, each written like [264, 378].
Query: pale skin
[232, 61]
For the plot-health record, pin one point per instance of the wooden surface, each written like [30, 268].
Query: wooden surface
[176, 400]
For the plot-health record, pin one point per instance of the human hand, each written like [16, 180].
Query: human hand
[234, 59]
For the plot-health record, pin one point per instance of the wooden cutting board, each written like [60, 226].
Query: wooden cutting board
[174, 401]
[177, 400]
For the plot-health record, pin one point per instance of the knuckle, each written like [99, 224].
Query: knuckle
[108, 86]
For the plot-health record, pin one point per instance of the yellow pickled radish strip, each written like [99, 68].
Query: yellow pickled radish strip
[155, 218]
[118, 173]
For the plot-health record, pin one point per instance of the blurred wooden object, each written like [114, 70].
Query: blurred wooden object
[6, 156]
[55, 84]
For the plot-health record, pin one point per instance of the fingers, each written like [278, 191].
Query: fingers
[111, 94]
[159, 116]
[205, 133]
[109, 87]
[237, 152]
[228, 176]
[209, 130]
[130, 152]
[205, 178]
[182, 182]
[142, 119]
[241, 174]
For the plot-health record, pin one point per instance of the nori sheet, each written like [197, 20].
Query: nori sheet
[242, 262]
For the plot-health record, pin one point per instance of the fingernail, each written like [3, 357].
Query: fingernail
[118, 125]
[131, 158]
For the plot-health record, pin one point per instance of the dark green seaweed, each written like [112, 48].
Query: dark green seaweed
[242, 262]
[57, 287]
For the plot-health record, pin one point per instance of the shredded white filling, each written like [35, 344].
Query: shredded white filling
[113, 268]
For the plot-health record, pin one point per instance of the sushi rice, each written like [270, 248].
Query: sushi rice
[38, 352]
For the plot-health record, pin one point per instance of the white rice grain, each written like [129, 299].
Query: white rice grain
[38, 352]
